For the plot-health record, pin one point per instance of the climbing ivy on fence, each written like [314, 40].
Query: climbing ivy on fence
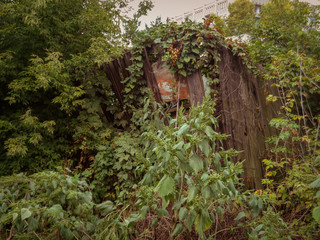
[184, 48]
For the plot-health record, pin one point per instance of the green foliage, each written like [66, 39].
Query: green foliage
[49, 53]
[283, 26]
[241, 17]
[101, 174]
[28, 142]
[185, 167]
[282, 42]
[154, 169]
[269, 226]
[45, 205]
[316, 210]
[51, 205]
[184, 48]
[295, 162]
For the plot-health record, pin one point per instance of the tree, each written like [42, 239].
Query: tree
[285, 41]
[53, 95]
[219, 22]
[286, 25]
[241, 17]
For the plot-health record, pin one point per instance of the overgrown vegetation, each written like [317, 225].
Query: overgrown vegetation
[69, 171]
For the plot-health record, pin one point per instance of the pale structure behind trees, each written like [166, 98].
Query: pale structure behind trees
[220, 8]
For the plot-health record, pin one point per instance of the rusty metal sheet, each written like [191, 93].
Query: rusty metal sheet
[168, 84]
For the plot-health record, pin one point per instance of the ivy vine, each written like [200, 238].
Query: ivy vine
[184, 48]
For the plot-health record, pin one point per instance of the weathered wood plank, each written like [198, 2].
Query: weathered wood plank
[150, 78]
[196, 88]
[115, 79]
[244, 115]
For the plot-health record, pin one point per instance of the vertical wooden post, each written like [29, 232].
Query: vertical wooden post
[150, 78]
[196, 89]
[244, 115]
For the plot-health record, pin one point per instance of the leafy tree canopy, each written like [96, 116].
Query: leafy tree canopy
[48, 50]
[286, 25]
[241, 17]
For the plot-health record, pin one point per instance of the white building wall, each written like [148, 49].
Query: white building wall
[220, 8]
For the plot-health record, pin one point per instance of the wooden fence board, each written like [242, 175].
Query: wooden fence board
[196, 89]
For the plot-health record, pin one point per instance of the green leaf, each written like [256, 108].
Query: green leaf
[253, 202]
[33, 224]
[193, 191]
[316, 214]
[183, 73]
[166, 156]
[183, 213]
[154, 222]
[207, 222]
[25, 213]
[231, 187]
[179, 65]
[32, 186]
[260, 204]
[131, 220]
[206, 192]
[217, 164]
[196, 163]
[178, 145]
[204, 176]
[56, 210]
[183, 129]
[240, 216]
[66, 233]
[190, 219]
[195, 50]
[177, 204]
[220, 211]
[315, 184]
[105, 208]
[14, 216]
[144, 211]
[178, 229]
[147, 179]
[139, 58]
[203, 222]
[205, 147]
[54, 184]
[209, 131]
[165, 186]
[258, 228]
[162, 212]
[181, 156]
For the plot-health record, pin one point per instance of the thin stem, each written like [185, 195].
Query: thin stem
[301, 101]
[36, 235]
[177, 113]
[11, 232]
[216, 230]
[226, 229]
